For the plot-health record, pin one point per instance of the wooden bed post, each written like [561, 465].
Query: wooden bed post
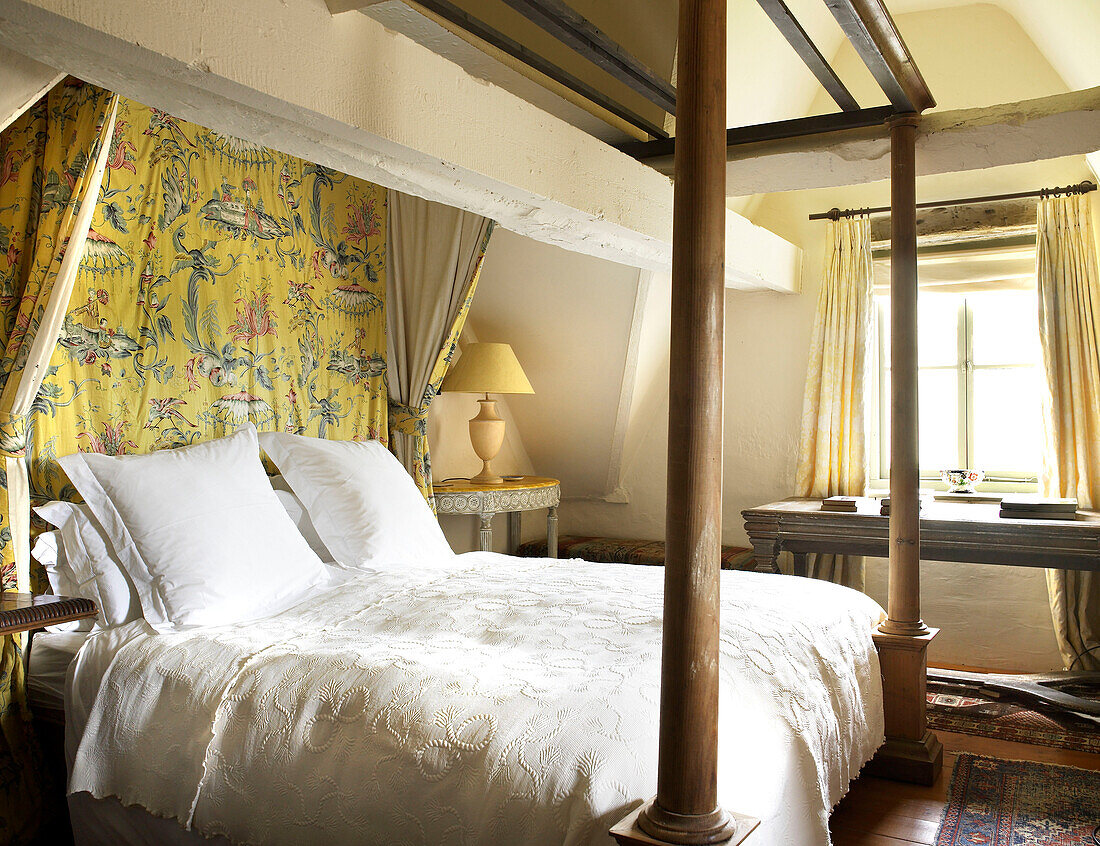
[686, 808]
[911, 751]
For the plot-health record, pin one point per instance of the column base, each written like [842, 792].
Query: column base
[668, 829]
[911, 753]
[913, 761]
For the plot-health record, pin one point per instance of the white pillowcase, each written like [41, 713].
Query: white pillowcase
[199, 530]
[363, 503]
[50, 553]
[88, 564]
[298, 514]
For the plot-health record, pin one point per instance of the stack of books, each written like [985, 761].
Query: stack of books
[1038, 508]
[840, 503]
[884, 505]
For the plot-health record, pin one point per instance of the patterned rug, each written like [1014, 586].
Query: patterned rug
[1019, 803]
[956, 709]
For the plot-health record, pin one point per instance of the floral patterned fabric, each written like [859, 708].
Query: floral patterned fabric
[222, 282]
[45, 165]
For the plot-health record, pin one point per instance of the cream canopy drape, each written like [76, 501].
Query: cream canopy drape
[435, 254]
[833, 451]
[1069, 311]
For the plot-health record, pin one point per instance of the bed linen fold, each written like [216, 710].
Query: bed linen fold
[484, 699]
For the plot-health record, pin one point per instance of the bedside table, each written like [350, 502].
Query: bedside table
[486, 501]
[22, 612]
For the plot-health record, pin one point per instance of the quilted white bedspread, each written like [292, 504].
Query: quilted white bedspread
[490, 700]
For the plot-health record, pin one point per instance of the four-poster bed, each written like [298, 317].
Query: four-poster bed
[686, 808]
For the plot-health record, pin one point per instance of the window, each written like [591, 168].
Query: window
[980, 373]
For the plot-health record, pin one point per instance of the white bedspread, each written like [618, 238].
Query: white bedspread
[494, 700]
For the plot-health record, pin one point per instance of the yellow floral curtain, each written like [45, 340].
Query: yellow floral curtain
[46, 170]
[223, 282]
[832, 450]
[435, 259]
[1069, 321]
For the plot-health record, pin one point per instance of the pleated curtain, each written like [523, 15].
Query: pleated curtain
[832, 449]
[53, 158]
[1069, 310]
[435, 254]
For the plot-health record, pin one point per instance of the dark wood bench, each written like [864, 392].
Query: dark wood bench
[626, 551]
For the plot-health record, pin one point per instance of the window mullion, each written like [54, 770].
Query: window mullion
[965, 450]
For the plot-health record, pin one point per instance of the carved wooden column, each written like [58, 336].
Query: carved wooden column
[911, 752]
[686, 808]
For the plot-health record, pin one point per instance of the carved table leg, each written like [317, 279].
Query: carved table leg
[514, 525]
[486, 532]
[552, 532]
[766, 552]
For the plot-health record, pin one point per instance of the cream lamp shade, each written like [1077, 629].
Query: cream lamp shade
[487, 369]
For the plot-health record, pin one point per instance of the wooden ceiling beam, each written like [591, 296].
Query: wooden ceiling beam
[875, 37]
[478, 28]
[589, 41]
[659, 154]
[338, 7]
[796, 36]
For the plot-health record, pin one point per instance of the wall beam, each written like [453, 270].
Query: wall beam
[23, 82]
[412, 121]
[947, 142]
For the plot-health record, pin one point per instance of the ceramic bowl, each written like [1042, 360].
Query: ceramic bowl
[961, 481]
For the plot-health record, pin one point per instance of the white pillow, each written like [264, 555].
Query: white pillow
[199, 530]
[298, 514]
[364, 504]
[90, 563]
[50, 553]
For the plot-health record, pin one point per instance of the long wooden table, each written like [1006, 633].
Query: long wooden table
[949, 531]
[969, 532]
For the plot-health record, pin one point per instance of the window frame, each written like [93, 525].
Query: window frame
[878, 438]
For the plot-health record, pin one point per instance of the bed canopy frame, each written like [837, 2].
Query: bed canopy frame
[686, 809]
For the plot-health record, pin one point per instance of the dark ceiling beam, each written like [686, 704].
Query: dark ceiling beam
[876, 39]
[659, 154]
[478, 28]
[585, 38]
[807, 51]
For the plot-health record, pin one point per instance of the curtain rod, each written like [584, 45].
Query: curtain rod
[1082, 188]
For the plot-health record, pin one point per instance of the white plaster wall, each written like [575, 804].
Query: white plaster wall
[567, 316]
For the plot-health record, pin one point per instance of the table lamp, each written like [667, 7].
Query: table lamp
[487, 369]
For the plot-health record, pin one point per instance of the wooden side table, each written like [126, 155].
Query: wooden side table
[486, 501]
[24, 612]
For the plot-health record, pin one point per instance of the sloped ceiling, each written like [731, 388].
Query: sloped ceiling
[767, 81]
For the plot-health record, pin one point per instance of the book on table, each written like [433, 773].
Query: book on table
[1038, 507]
[840, 503]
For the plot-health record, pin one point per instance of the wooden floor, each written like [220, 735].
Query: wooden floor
[887, 813]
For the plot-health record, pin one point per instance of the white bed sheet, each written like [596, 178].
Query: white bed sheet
[50, 657]
[500, 699]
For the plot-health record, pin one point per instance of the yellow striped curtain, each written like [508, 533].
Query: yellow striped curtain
[48, 160]
[435, 256]
[1069, 320]
[832, 451]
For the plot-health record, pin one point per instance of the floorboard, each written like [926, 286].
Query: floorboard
[877, 812]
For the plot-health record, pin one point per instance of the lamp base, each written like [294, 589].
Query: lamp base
[486, 437]
[487, 476]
